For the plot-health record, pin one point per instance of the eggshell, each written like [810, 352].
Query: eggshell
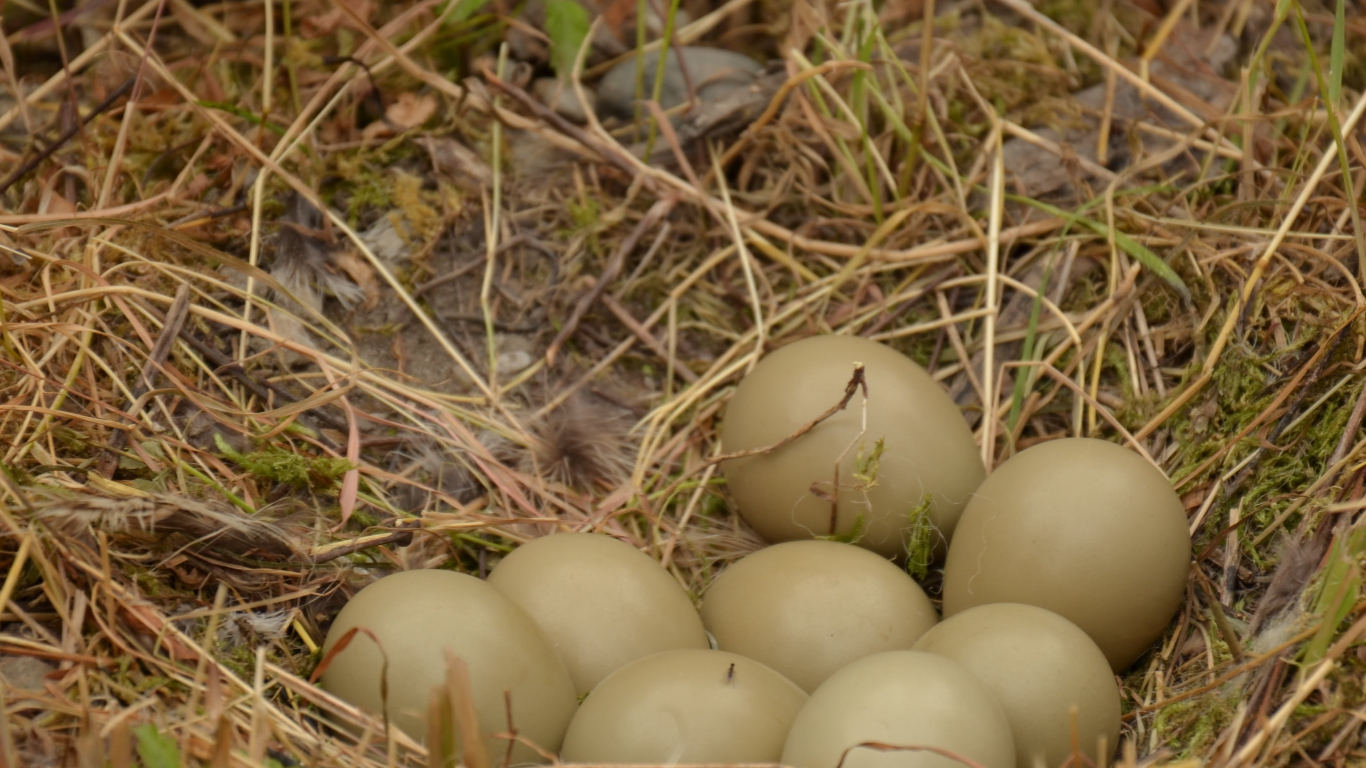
[419, 615]
[601, 602]
[686, 706]
[1039, 666]
[808, 608]
[928, 449]
[900, 698]
[1083, 528]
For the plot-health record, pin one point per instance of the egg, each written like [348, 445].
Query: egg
[601, 602]
[1083, 528]
[808, 608]
[419, 616]
[900, 698]
[928, 452]
[687, 706]
[1039, 666]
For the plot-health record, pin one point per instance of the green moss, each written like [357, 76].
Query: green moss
[921, 539]
[854, 535]
[1076, 15]
[1190, 726]
[281, 466]
[368, 190]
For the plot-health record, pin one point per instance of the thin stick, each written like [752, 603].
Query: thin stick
[993, 300]
[1235, 646]
[856, 382]
[1159, 37]
[66, 135]
[648, 339]
[761, 335]
[615, 263]
[258, 189]
[1235, 313]
[156, 360]
[1024, 9]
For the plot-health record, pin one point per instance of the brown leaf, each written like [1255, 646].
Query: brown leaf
[327, 23]
[361, 274]
[53, 202]
[146, 621]
[411, 110]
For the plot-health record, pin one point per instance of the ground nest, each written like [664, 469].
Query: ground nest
[297, 294]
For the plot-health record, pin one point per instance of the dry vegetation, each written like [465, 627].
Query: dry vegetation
[224, 411]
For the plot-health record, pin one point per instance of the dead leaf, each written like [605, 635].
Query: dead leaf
[361, 274]
[147, 622]
[379, 129]
[411, 110]
[327, 23]
[53, 202]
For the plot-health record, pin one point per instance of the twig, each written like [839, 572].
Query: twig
[156, 360]
[859, 381]
[262, 389]
[647, 338]
[1349, 433]
[615, 263]
[337, 549]
[66, 135]
[560, 124]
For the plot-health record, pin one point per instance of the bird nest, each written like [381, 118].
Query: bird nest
[298, 294]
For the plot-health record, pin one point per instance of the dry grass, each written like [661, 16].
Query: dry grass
[223, 412]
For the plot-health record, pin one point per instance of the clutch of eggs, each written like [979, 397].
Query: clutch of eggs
[598, 650]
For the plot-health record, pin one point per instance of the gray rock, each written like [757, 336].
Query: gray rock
[24, 672]
[560, 96]
[515, 353]
[1040, 172]
[713, 72]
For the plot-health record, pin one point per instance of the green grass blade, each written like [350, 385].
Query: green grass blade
[233, 109]
[1331, 107]
[1151, 261]
[1336, 54]
[156, 749]
[465, 9]
[1341, 588]
[1025, 376]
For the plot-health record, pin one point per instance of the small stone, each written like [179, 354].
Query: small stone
[514, 353]
[513, 361]
[560, 96]
[24, 673]
[713, 72]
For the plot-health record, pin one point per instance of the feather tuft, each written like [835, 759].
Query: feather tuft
[585, 443]
[1299, 559]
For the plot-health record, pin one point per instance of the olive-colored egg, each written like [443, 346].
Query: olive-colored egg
[690, 706]
[1083, 528]
[928, 449]
[1039, 666]
[808, 608]
[901, 698]
[418, 616]
[600, 602]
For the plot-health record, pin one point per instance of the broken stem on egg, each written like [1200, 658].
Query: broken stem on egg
[856, 382]
[834, 496]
